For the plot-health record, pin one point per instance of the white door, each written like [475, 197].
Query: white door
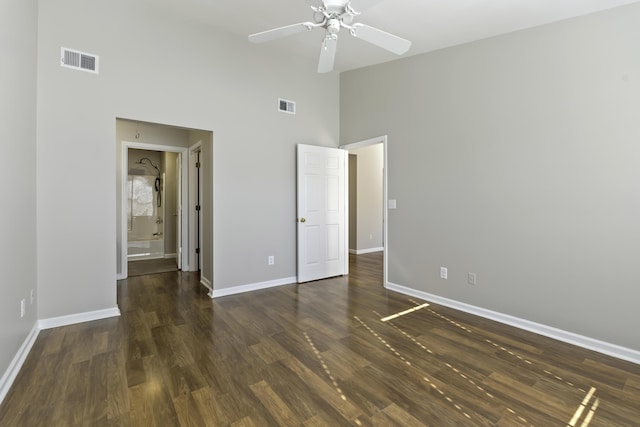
[322, 213]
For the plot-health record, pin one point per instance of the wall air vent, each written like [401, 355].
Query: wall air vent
[79, 60]
[286, 106]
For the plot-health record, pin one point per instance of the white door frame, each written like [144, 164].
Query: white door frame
[183, 219]
[385, 212]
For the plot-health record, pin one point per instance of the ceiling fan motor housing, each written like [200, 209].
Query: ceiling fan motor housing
[333, 26]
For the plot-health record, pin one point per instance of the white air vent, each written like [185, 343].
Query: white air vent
[286, 106]
[79, 60]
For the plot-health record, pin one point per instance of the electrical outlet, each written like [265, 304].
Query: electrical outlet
[22, 307]
[471, 278]
[443, 273]
[32, 295]
[272, 260]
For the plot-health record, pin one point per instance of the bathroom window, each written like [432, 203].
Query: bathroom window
[141, 197]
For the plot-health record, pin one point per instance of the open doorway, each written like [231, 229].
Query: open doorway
[153, 211]
[368, 200]
[147, 154]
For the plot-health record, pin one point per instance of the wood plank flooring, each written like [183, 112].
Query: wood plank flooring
[151, 266]
[316, 354]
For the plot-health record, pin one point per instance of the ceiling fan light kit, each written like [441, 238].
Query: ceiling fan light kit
[332, 16]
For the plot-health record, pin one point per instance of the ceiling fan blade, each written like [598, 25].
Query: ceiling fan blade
[327, 54]
[381, 38]
[276, 33]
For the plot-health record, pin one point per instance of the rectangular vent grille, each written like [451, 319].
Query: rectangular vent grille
[79, 60]
[286, 106]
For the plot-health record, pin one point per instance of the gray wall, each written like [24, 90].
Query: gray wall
[18, 29]
[516, 158]
[369, 199]
[353, 202]
[158, 68]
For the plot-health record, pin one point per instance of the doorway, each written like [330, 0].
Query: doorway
[153, 211]
[174, 143]
[152, 222]
[368, 225]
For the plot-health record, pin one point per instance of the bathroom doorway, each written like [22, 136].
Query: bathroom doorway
[154, 201]
[153, 211]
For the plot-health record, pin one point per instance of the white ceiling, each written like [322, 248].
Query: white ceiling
[429, 24]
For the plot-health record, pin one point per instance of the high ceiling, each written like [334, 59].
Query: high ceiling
[429, 24]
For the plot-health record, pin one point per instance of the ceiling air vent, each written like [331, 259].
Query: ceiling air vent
[79, 60]
[286, 106]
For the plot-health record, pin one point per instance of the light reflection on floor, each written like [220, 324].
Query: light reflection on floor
[418, 306]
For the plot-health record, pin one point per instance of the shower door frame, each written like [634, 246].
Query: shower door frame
[183, 214]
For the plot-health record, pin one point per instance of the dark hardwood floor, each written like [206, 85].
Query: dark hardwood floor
[316, 354]
[151, 266]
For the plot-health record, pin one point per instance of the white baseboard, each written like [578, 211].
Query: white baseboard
[169, 256]
[603, 347]
[16, 364]
[365, 251]
[71, 319]
[207, 284]
[215, 293]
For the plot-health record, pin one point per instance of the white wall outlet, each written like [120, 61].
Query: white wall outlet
[443, 273]
[32, 295]
[471, 278]
[271, 260]
[22, 307]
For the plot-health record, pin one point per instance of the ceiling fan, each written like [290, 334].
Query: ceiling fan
[332, 16]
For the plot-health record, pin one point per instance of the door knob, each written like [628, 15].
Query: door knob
[303, 220]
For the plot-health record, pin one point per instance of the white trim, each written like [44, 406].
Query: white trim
[18, 360]
[385, 212]
[603, 347]
[168, 256]
[365, 251]
[252, 287]
[207, 284]
[71, 319]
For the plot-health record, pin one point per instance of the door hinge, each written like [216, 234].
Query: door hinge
[197, 250]
[197, 207]
[198, 165]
